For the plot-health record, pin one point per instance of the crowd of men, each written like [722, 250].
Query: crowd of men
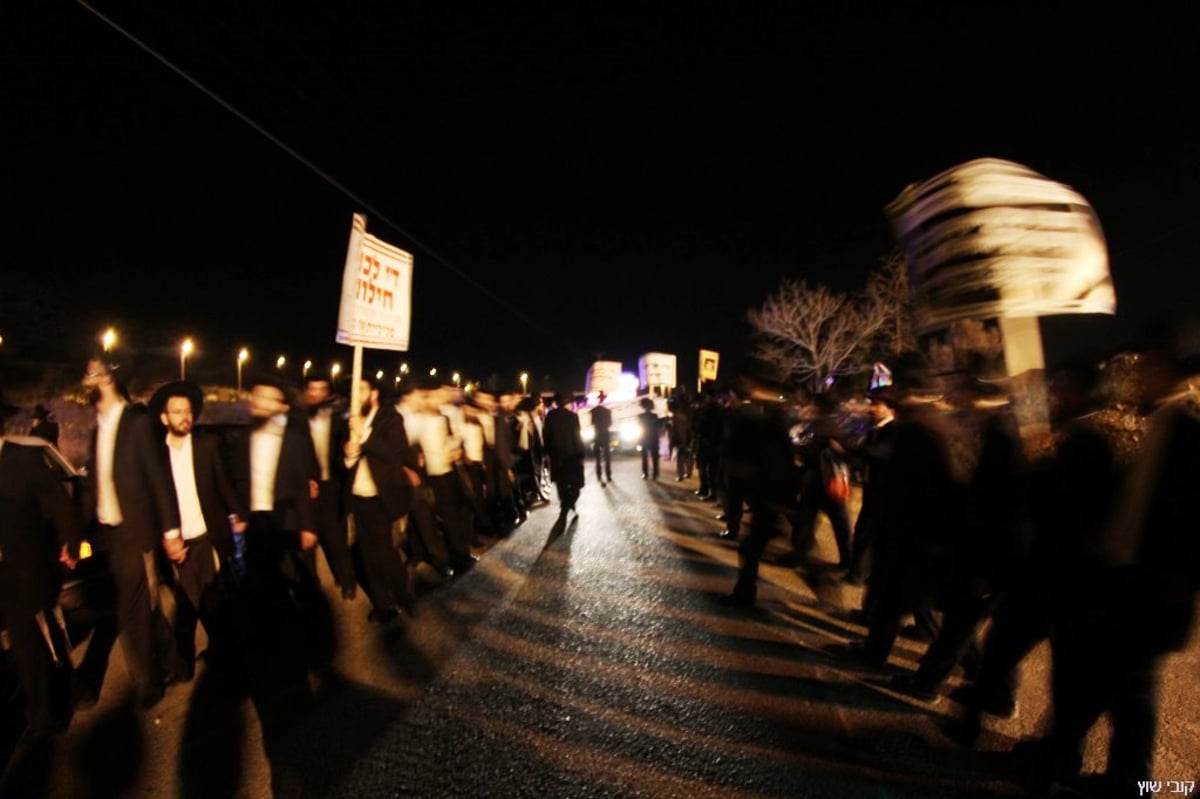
[1090, 547]
[220, 526]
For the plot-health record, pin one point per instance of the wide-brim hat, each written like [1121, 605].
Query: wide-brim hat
[177, 388]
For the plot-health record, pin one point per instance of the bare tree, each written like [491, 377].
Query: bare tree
[887, 290]
[814, 335]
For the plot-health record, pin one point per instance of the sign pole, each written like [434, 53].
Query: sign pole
[356, 398]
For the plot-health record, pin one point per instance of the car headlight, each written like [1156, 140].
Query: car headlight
[631, 431]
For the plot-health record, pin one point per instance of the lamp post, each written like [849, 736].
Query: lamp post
[243, 356]
[433, 372]
[307, 366]
[457, 378]
[334, 371]
[280, 361]
[185, 349]
[524, 381]
[109, 339]
[379, 374]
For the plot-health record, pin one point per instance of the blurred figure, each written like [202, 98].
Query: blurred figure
[381, 477]
[771, 479]
[564, 446]
[680, 435]
[920, 501]
[651, 427]
[981, 560]
[328, 431]
[602, 424]
[38, 531]
[43, 424]
[130, 507]
[824, 444]
[1071, 495]
[440, 450]
[1108, 650]
[876, 456]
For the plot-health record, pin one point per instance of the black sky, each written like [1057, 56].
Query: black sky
[623, 176]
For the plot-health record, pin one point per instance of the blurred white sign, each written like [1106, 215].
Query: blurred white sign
[604, 376]
[992, 238]
[376, 306]
[657, 369]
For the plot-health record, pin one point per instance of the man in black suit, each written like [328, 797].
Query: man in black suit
[271, 464]
[129, 504]
[210, 512]
[328, 431]
[37, 523]
[564, 445]
[602, 425]
[382, 474]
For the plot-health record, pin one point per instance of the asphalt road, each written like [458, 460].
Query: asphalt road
[592, 664]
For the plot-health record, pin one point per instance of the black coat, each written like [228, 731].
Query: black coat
[293, 508]
[144, 489]
[387, 452]
[564, 445]
[218, 498]
[36, 519]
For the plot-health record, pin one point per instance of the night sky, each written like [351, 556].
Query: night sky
[574, 180]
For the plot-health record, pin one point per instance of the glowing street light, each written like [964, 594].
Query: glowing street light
[403, 368]
[457, 378]
[334, 371]
[433, 372]
[524, 381]
[307, 366]
[109, 339]
[185, 349]
[379, 375]
[243, 356]
[280, 361]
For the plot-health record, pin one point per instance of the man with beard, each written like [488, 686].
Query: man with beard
[209, 512]
[329, 432]
[381, 476]
[130, 507]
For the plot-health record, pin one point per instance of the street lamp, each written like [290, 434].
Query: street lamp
[334, 371]
[280, 361]
[403, 368]
[243, 356]
[109, 339]
[433, 372]
[307, 366]
[524, 381]
[457, 378]
[185, 349]
[379, 374]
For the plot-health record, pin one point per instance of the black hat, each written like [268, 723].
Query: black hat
[177, 388]
[40, 412]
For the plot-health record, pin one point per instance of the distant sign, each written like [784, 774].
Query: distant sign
[994, 239]
[657, 369]
[376, 306]
[604, 376]
[708, 364]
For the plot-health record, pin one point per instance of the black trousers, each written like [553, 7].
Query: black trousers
[146, 636]
[332, 533]
[766, 521]
[35, 666]
[386, 575]
[603, 451]
[197, 599]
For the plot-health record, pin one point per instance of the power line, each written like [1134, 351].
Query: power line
[374, 212]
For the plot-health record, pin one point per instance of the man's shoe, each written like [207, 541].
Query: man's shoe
[911, 685]
[736, 600]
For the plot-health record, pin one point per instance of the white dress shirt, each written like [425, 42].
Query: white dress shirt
[364, 481]
[183, 471]
[108, 509]
[266, 442]
[319, 425]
